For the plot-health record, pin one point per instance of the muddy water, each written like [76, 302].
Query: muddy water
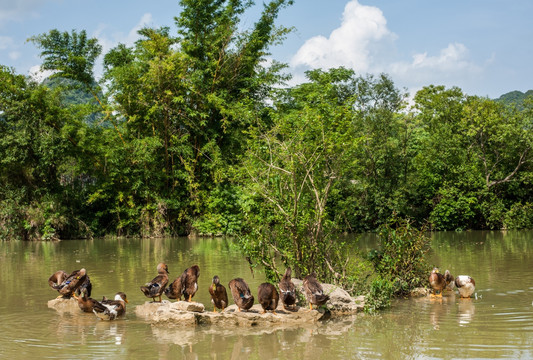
[498, 323]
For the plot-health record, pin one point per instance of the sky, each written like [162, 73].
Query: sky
[484, 47]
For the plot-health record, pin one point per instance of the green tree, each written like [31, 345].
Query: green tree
[444, 179]
[40, 141]
[292, 168]
[499, 146]
[188, 96]
[380, 179]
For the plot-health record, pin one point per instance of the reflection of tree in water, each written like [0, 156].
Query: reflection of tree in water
[389, 336]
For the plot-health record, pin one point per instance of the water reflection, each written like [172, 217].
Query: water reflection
[465, 311]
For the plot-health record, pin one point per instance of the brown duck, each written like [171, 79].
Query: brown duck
[450, 280]
[313, 291]
[190, 282]
[85, 303]
[219, 296]
[69, 286]
[268, 297]
[241, 294]
[437, 281]
[287, 289]
[156, 287]
[111, 309]
[175, 289]
[56, 279]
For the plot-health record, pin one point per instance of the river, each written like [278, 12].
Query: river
[496, 323]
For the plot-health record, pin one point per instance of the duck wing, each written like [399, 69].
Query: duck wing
[155, 287]
[288, 291]
[175, 290]
[85, 286]
[221, 296]
[86, 304]
[72, 282]
[190, 281]
[241, 293]
[110, 309]
[314, 291]
[56, 279]
[267, 296]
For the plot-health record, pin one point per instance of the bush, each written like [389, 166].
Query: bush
[379, 295]
[519, 216]
[400, 264]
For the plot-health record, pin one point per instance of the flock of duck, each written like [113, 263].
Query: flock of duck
[78, 285]
[439, 282]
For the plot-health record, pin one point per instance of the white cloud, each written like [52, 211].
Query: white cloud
[110, 41]
[364, 43]
[350, 45]
[5, 42]
[19, 9]
[39, 75]
[14, 55]
[453, 62]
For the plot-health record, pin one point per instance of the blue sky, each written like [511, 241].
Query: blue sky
[485, 47]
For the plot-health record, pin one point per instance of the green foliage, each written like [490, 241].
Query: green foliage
[519, 216]
[69, 55]
[191, 130]
[455, 209]
[290, 170]
[222, 212]
[403, 255]
[379, 179]
[379, 295]
[400, 264]
[39, 140]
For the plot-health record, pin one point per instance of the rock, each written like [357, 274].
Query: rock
[340, 302]
[170, 314]
[189, 306]
[63, 305]
[419, 292]
[185, 314]
[149, 309]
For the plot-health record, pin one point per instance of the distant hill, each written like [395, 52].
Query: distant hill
[515, 97]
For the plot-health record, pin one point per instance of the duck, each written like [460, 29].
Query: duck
[314, 291]
[156, 287]
[268, 297]
[437, 282]
[450, 280]
[189, 282]
[56, 279]
[111, 309]
[219, 296]
[287, 289]
[68, 287]
[175, 289]
[466, 285]
[86, 303]
[242, 296]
